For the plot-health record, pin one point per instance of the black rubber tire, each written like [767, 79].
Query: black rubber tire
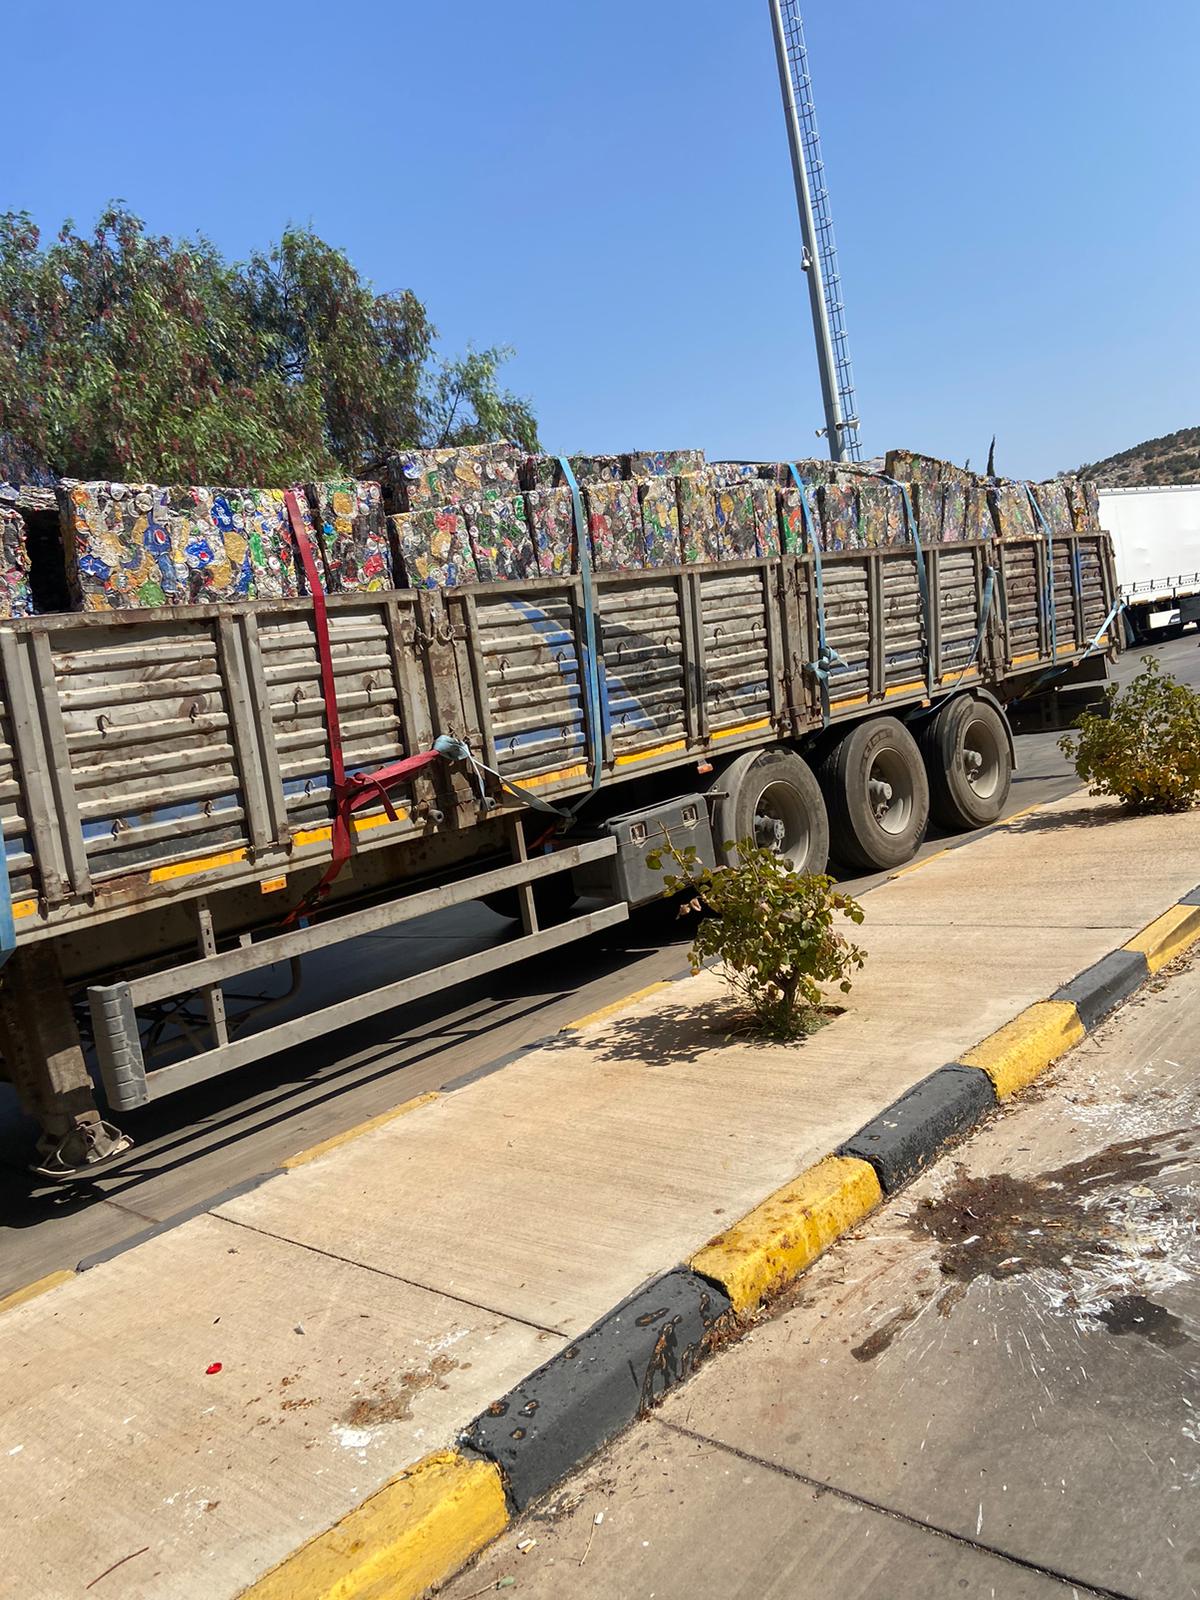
[554, 899]
[794, 800]
[858, 837]
[955, 801]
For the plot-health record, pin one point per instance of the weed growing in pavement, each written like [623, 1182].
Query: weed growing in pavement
[1145, 748]
[771, 927]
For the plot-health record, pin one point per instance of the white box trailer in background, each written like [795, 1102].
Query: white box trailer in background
[1156, 537]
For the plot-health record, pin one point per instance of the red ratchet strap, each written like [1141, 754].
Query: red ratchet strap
[362, 787]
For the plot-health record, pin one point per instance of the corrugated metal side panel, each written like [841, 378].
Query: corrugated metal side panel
[641, 633]
[1091, 584]
[903, 620]
[1020, 598]
[958, 606]
[12, 813]
[530, 663]
[148, 741]
[733, 614]
[847, 624]
[367, 697]
[1064, 593]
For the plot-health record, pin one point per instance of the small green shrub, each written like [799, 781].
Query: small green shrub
[1146, 750]
[772, 928]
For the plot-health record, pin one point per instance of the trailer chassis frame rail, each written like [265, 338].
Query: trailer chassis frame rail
[114, 1007]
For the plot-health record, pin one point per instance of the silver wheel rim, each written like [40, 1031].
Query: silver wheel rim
[781, 822]
[981, 758]
[890, 791]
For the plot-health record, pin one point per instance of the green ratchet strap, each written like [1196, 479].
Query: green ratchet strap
[827, 660]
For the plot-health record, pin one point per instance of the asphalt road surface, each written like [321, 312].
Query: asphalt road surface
[991, 1389]
[199, 1142]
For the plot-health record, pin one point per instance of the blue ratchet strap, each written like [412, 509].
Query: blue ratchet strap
[1118, 606]
[1048, 597]
[910, 518]
[452, 749]
[8, 927]
[591, 663]
[827, 657]
[985, 611]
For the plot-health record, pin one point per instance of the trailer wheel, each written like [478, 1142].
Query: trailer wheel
[877, 794]
[554, 899]
[967, 758]
[775, 800]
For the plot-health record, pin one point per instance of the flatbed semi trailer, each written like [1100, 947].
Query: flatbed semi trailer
[193, 794]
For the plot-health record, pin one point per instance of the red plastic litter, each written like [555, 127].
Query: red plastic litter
[216, 1367]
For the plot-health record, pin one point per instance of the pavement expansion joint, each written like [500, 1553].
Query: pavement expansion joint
[1079, 1585]
[381, 1272]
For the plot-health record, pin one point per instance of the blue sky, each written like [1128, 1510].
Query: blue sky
[606, 187]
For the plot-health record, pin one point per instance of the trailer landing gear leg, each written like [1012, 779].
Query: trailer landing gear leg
[45, 1061]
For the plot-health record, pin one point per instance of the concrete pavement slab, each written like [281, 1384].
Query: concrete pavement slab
[1011, 1350]
[116, 1434]
[550, 1191]
[683, 1519]
[1076, 861]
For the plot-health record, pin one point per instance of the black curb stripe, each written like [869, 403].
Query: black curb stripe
[902, 1140]
[1102, 987]
[552, 1421]
[1192, 899]
[200, 1209]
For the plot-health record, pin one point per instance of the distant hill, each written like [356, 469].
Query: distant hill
[1175, 458]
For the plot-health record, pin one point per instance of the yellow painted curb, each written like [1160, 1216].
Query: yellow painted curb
[357, 1132]
[1167, 936]
[776, 1241]
[617, 1005]
[31, 1290]
[1014, 1055]
[418, 1530]
[914, 866]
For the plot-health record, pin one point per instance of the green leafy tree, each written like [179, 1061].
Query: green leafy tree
[1145, 748]
[772, 928]
[125, 354]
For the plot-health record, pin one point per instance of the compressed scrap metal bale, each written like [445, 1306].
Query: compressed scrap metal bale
[16, 597]
[551, 516]
[232, 544]
[699, 534]
[614, 526]
[660, 522]
[662, 463]
[352, 535]
[119, 546]
[792, 521]
[727, 473]
[500, 539]
[434, 548]
[139, 545]
[1055, 508]
[427, 480]
[909, 467]
[763, 497]
[545, 472]
[1014, 515]
[734, 504]
[954, 512]
[881, 513]
[980, 524]
[1085, 505]
[839, 517]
